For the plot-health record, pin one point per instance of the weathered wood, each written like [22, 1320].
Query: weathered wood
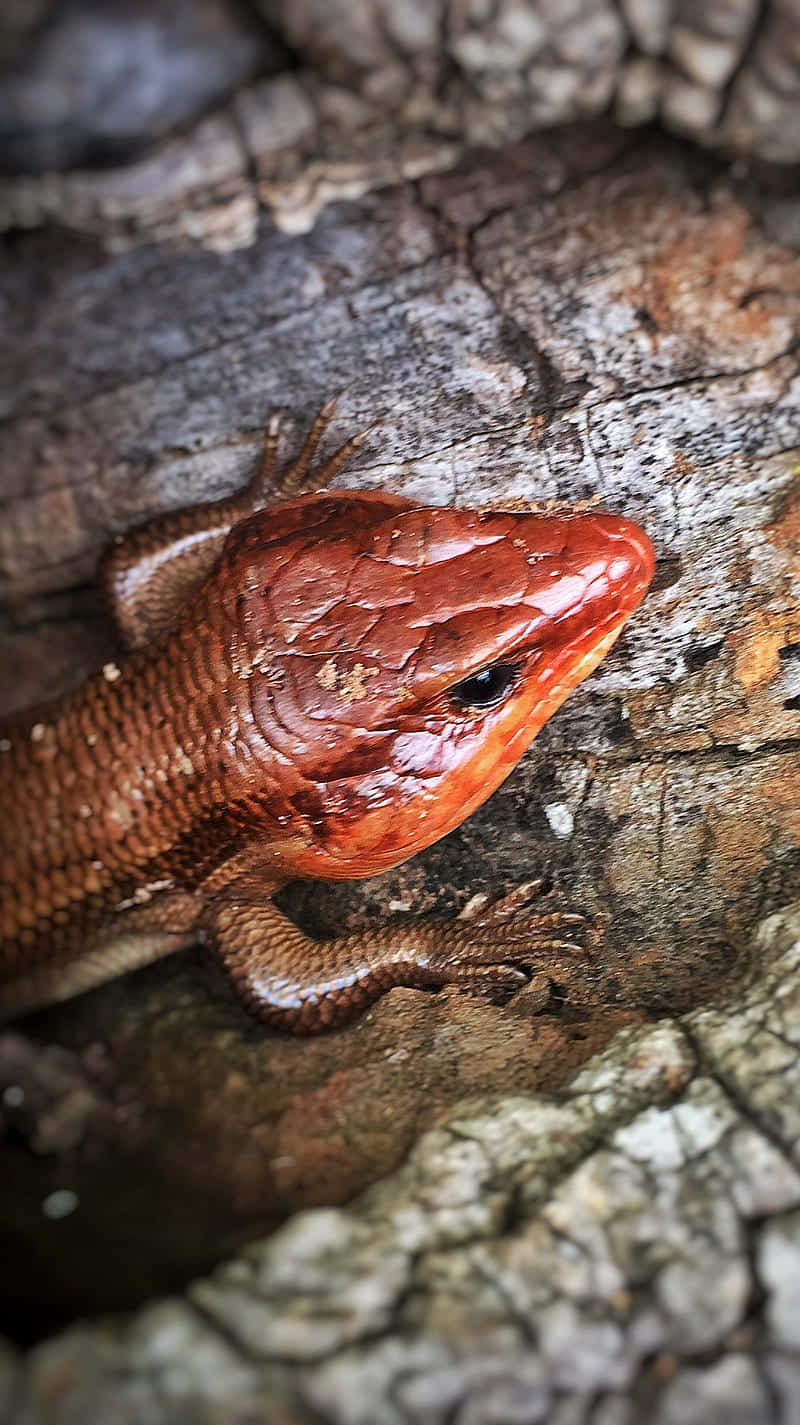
[83, 82]
[388, 91]
[589, 313]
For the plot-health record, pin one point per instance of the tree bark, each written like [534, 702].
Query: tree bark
[600, 1219]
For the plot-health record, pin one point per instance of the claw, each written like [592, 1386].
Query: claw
[263, 478]
[482, 907]
[329, 408]
[329, 469]
[297, 478]
[474, 906]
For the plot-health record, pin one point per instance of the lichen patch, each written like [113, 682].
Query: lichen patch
[349, 684]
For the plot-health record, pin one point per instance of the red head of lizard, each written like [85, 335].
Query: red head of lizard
[394, 662]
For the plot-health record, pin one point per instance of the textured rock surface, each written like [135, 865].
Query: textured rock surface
[92, 82]
[536, 1261]
[381, 90]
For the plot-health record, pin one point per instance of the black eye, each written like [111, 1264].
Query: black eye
[487, 688]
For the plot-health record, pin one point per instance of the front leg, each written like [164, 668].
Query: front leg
[304, 986]
[150, 574]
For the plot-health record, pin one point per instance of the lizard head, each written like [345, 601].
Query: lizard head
[396, 661]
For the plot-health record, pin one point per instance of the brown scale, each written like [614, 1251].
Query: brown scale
[183, 784]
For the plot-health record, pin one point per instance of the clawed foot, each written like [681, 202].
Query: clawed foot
[304, 985]
[500, 935]
[540, 931]
[267, 485]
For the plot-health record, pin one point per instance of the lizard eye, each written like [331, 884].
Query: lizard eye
[486, 688]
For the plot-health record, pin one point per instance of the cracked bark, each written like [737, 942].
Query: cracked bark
[383, 92]
[538, 1261]
[584, 312]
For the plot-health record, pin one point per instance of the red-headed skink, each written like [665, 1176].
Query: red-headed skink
[315, 689]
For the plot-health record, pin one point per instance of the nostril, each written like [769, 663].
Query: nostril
[642, 546]
[634, 550]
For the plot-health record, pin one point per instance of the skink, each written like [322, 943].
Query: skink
[315, 688]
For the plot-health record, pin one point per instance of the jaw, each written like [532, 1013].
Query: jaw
[417, 810]
[578, 668]
[471, 783]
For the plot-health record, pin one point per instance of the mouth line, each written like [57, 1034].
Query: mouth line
[584, 663]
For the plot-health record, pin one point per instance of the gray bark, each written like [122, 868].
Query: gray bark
[385, 91]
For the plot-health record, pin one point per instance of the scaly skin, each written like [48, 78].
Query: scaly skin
[296, 702]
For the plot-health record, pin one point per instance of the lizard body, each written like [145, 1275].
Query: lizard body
[318, 688]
